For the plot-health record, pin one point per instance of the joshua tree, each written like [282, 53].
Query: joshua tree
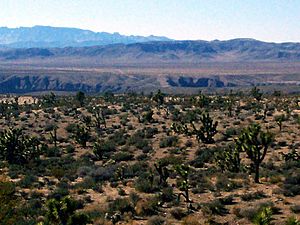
[266, 109]
[87, 120]
[120, 173]
[255, 92]
[229, 105]
[202, 100]
[229, 159]
[80, 97]
[81, 135]
[3, 109]
[205, 133]
[159, 97]
[183, 181]
[17, 148]
[49, 100]
[148, 116]
[163, 173]
[62, 212]
[99, 116]
[293, 155]
[279, 120]
[255, 143]
[54, 135]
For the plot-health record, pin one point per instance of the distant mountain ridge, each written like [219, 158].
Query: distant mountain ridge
[50, 37]
[147, 66]
[236, 50]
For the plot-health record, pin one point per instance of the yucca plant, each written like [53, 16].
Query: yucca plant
[292, 221]
[264, 216]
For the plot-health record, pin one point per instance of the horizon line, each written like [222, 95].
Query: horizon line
[151, 35]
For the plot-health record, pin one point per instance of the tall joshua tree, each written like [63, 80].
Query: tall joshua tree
[80, 97]
[205, 133]
[17, 148]
[183, 182]
[255, 143]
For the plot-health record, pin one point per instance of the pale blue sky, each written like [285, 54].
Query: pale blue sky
[269, 20]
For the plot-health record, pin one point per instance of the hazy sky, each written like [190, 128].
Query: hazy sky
[269, 20]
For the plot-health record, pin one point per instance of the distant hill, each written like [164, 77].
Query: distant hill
[46, 36]
[177, 66]
[237, 50]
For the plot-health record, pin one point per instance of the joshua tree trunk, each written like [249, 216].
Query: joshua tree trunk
[256, 179]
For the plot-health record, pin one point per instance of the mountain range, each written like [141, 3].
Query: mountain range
[42, 59]
[46, 36]
[236, 50]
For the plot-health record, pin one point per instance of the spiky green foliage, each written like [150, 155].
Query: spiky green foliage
[80, 97]
[159, 97]
[148, 116]
[98, 150]
[255, 92]
[99, 116]
[264, 217]
[205, 133]
[292, 221]
[81, 135]
[201, 100]
[293, 155]
[255, 143]
[18, 148]
[228, 159]
[62, 212]
[279, 120]
[183, 181]
[163, 173]
[9, 202]
[207, 130]
[53, 135]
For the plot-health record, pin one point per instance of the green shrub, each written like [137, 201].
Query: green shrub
[291, 185]
[214, 207]
[122, 156]
[143, 184]
[53, 152]
[263, 217]
[295, 209]
[178, 213]
[28, 181]
[156, 220]
[70, 149]
[253, 196]
[168, 142]
[120, 204]
[292, 221]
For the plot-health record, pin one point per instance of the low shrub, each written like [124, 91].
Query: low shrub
[168, 142]
[156, 220]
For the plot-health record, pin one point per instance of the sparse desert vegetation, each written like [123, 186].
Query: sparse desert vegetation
[150, 159]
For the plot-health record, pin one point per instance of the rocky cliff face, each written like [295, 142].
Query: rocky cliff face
[95, 83]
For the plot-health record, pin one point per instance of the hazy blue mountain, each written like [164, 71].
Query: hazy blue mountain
[46, 36]
[236, 50]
